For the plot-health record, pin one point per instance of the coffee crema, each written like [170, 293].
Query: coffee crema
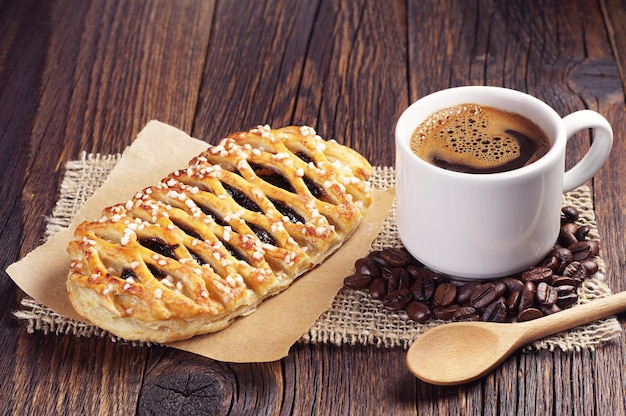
[471, 138]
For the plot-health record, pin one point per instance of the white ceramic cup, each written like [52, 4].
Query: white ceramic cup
[484, 226]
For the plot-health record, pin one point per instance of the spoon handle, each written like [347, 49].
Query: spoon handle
[575, 316]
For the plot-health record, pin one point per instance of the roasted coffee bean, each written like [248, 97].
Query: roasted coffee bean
[549, 310]
[376, 255]
[393, 283]
[397, 300]
[512, 284]
[418, 311]
[590, 266]
[357, 281]
[444, 295]
[465, 291]
[368, 267]
[563, 281]
[581, 250]
[387, 273]
[551, 262]
[563, 255]
[576, 271]
[537, 275]
[495, 312]
[399, 279]
[546, 295]
[445, 312]
[566, 237]
[571, 213]
[527, 299]
[512, 300]
[569, 227]
[465, 313]
[378, 288]
[582, 231]
[423, 288]
[567, 295]
[395, 257]
[529, 314]
[485, 294]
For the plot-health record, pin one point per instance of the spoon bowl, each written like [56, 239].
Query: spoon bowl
[461, 352]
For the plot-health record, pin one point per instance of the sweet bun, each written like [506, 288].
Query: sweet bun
[210, 242]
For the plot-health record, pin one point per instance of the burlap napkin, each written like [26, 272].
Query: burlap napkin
[353, 318]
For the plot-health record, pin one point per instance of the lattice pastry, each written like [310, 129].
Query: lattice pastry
[211, 241]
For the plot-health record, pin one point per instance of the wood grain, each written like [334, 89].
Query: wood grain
[86, 76]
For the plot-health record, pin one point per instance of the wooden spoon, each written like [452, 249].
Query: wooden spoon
[460, 352]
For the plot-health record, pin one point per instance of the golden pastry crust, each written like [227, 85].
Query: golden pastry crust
[210, 242]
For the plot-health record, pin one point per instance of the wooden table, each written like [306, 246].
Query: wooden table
[80, 75]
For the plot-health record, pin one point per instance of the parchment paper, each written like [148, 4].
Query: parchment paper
[265, 335]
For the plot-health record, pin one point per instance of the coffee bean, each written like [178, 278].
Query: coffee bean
[546, 295]
[485, 294]
[423, 288]
[527, 299]
[387, 273]
[466, 313]
[378, 288]
[495, 312]
[537, 275]
[563, 281]
[445, 312]
[397, 300]
[368, 267]
[551, 262]
[512, 300]
[576, 271]
[399, 279]
[512, 284]
[567, 295]
[582, 231]
[581, 250]
[465, 291]
[566, 237]
[571, 213]
[395, 257]
[376, 255]
[357, 281]
[563, 255]
[418, 311]
[529, 314]
[590, 266]
[549, 310]
[444, 295]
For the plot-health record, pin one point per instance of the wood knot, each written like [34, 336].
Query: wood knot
[596, 79]
[188, 390]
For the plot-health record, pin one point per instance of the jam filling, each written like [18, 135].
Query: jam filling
[210, 213]
[263, 235]
[272, 177]
[158, 246]
[289, 212]
[241, 198]
[188, 230]
[128, 273]
[196, 258]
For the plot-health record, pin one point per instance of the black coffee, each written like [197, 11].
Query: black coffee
[476, 139]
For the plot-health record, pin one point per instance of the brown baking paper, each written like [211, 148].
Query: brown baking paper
[265, 335]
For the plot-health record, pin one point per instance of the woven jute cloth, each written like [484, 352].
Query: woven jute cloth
[353, 318]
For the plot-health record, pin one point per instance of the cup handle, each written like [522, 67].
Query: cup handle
[598, 152]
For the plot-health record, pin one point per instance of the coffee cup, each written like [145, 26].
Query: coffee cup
[487, 225]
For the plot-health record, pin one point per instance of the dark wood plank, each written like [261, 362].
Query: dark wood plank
[87, 76]
[100, 71]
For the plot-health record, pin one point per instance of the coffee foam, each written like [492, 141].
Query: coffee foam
[470, 135]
